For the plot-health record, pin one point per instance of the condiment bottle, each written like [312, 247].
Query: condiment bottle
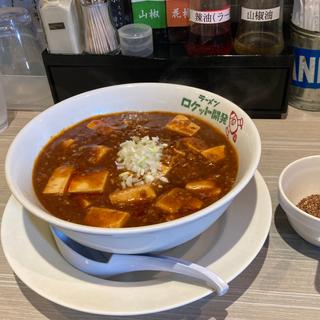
[61, 26]
[178, 20]
[121, 12]
[260, 27]
[152, 13]
[210, 29]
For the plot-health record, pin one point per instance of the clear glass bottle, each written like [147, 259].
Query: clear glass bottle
[210, 29]
[260, 27]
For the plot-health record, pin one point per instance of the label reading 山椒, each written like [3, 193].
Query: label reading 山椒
[150, 12]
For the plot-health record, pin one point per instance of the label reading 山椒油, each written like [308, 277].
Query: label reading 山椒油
[260, 15]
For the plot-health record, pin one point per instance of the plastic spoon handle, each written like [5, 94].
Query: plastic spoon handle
[126, 263]
[123, 263]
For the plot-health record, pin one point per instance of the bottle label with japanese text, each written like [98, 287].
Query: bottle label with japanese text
[260, 15]
[210, 16]
[150, 12]
[177, 13]
[306, 68]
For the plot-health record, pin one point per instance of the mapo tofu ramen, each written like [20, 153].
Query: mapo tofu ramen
[134, 169]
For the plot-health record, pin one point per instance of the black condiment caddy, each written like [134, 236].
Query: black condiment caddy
[258, 84]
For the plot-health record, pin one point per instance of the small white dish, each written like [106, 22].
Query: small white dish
[298, 180]
[226, 248]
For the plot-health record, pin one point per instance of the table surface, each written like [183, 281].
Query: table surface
[283, 281]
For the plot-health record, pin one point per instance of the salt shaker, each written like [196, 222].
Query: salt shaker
[101, 36]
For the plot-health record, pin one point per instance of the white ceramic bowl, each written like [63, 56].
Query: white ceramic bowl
[297, 181]
[231, 120]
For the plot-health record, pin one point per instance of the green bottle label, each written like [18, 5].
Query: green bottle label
[150, 12]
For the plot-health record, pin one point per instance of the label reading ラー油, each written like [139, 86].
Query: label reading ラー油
[210, 16]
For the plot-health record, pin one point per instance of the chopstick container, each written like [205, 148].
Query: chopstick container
[100, 35]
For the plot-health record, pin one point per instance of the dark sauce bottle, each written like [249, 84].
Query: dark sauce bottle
[177, 20]
[121, 12]
[210, 28]
[152, 13]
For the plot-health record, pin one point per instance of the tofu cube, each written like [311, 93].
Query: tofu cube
[105, 218]
[195, 144]
[99, 126]
[85, 203]
[193, 204]
[177, 199]
[58, 182]
[183, 125]
[132, 195]
[207, 188]
[67, 143]
[200, 185]
[92, 182]
[98, 152]
[215, 192]
[215, 154]
[170, 202]
[94, 124]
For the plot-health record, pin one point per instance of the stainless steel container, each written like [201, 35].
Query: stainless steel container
[305, 86]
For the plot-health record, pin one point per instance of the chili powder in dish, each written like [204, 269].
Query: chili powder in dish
[311, 205]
